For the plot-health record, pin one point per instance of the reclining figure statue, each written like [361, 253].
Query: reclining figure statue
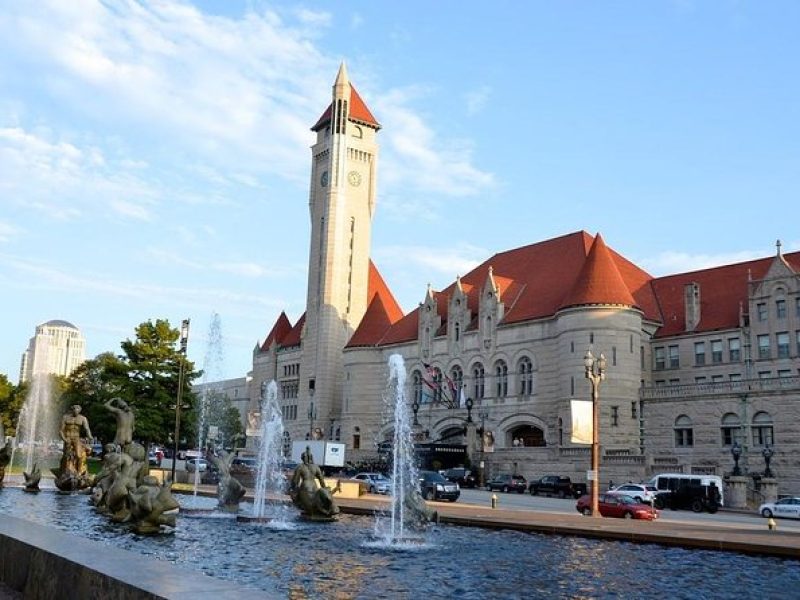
[315, 503]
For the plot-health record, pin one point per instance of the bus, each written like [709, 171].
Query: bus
[672, 481]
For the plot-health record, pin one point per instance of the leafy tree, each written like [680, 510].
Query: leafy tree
[11, 400]
[153, 370]
[92, 384]
[221, 413]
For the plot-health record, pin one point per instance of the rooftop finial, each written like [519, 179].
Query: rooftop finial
[341, 76]
[778, 246]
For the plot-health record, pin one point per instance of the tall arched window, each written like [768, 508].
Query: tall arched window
[731, 428]
[525, 374]
[457, 376]
[478, 381]
[437, 385]
[762, 429]
[416, 387]
[684, 433]
[501, 378]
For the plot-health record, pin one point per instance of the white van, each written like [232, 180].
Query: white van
[672, 481]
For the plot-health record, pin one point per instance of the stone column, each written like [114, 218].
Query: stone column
[736, 494]
[769, 489]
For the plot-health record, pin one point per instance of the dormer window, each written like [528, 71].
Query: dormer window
[457, 331]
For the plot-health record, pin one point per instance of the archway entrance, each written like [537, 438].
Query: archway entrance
[528, 436]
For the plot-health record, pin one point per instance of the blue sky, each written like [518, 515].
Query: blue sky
[154, 156]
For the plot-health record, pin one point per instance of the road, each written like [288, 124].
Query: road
[514, 501]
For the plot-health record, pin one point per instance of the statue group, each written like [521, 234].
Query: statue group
[124, 488]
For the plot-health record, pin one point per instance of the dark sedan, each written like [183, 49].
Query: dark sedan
[506, 482]
[433, 486]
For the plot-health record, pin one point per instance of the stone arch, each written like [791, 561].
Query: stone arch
[529, 427]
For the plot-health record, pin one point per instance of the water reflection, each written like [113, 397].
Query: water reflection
[332, 561]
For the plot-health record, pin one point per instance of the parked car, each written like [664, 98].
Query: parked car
[433, 486]
[244, 464]
[506, 482]
[617, 505]
[97, 449]
[785, 507]
[694, 497]
[196, 464]
[557, 485]
[376, 483]
[641, 492]
[463, 477]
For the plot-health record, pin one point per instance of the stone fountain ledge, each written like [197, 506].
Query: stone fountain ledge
[42, 563]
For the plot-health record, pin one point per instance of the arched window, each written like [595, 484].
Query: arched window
[416, 387]
[457, 376]
[501, 378]
[684, 433]
[525, 374]
[762, 429]
[457, 331]
[437, 385]
[527, 436]
[357, 132]
[287, 444]
[560, 431]
[731, 428]
[478, 381]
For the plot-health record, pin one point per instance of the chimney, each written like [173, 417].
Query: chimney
[691, 302]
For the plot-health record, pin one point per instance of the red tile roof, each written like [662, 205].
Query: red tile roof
[383, 311]
[358, 112]
[722, 291]
[293, 337]
[534, 282]
[279, 331]
[599, 281]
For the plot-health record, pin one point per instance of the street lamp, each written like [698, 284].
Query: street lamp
[415, 408]
[181, 369]
[469, 404]
[595, 373]
[312, 414]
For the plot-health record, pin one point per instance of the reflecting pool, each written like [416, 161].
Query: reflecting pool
[342, 560]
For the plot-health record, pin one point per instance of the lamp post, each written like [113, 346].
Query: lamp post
[184, 341]
[736, 452]
[312, 414]
[469, 404]
[415, 408]
[483, 414]
[595, 373]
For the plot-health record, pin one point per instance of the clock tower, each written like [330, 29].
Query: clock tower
[341, 206]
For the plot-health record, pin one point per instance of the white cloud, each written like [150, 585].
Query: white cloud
[129, 209]
[457, 260]
[477, 99]
[8, 231]
[668, 263]
[239, 268]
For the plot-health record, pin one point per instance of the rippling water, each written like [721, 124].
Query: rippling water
[338, 560]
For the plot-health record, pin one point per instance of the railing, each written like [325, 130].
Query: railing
[574, 451]
[720, 388]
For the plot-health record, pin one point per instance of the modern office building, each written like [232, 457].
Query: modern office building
[57, 348]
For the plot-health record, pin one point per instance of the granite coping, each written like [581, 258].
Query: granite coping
[44, 562]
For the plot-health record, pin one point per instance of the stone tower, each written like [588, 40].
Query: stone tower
[341, 206]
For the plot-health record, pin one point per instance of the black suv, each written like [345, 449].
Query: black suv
[506, 482]
[433, 486]
[695, 497]
[463, 477]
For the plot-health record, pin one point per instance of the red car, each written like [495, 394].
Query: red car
[624, 507]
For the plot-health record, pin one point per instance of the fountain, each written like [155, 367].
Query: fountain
[269, 476]
[408, 516]
[36, 425]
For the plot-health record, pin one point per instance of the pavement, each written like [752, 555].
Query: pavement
[754, 539]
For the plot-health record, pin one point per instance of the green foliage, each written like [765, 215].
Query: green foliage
[221, 413]
[145, 376]
[11, 399]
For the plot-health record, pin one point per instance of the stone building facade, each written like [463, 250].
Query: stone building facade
[696, 362]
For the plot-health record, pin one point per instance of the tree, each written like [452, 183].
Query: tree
[153, 364]
[11, 400]
[221, 413]
[92, 384]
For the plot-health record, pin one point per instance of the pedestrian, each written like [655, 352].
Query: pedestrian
[610, 484]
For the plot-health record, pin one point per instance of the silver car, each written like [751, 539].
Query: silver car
[376, 483]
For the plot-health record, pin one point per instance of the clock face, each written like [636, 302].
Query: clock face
[323, 180]
[354, 177]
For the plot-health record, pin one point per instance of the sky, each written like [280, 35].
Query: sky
[155, 155]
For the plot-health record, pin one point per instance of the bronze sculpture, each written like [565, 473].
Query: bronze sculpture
[315, 503]
[72, 473]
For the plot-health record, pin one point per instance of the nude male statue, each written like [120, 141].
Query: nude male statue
[124, 415]
[74, 454]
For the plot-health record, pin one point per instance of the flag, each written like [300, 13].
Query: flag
[453, 401]
[582, 422]
[462, 399]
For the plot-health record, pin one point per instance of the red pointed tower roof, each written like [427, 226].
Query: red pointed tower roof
[279, 331]
[599, 281]
[357, 108]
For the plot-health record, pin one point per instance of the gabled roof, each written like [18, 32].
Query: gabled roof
[293, 337]
[377, 287]
[599, 281]
[722, 291]
[383, 311]
[534, 281]
[278, 332]
[358, 112]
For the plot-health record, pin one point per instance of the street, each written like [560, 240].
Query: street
[525, 501]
